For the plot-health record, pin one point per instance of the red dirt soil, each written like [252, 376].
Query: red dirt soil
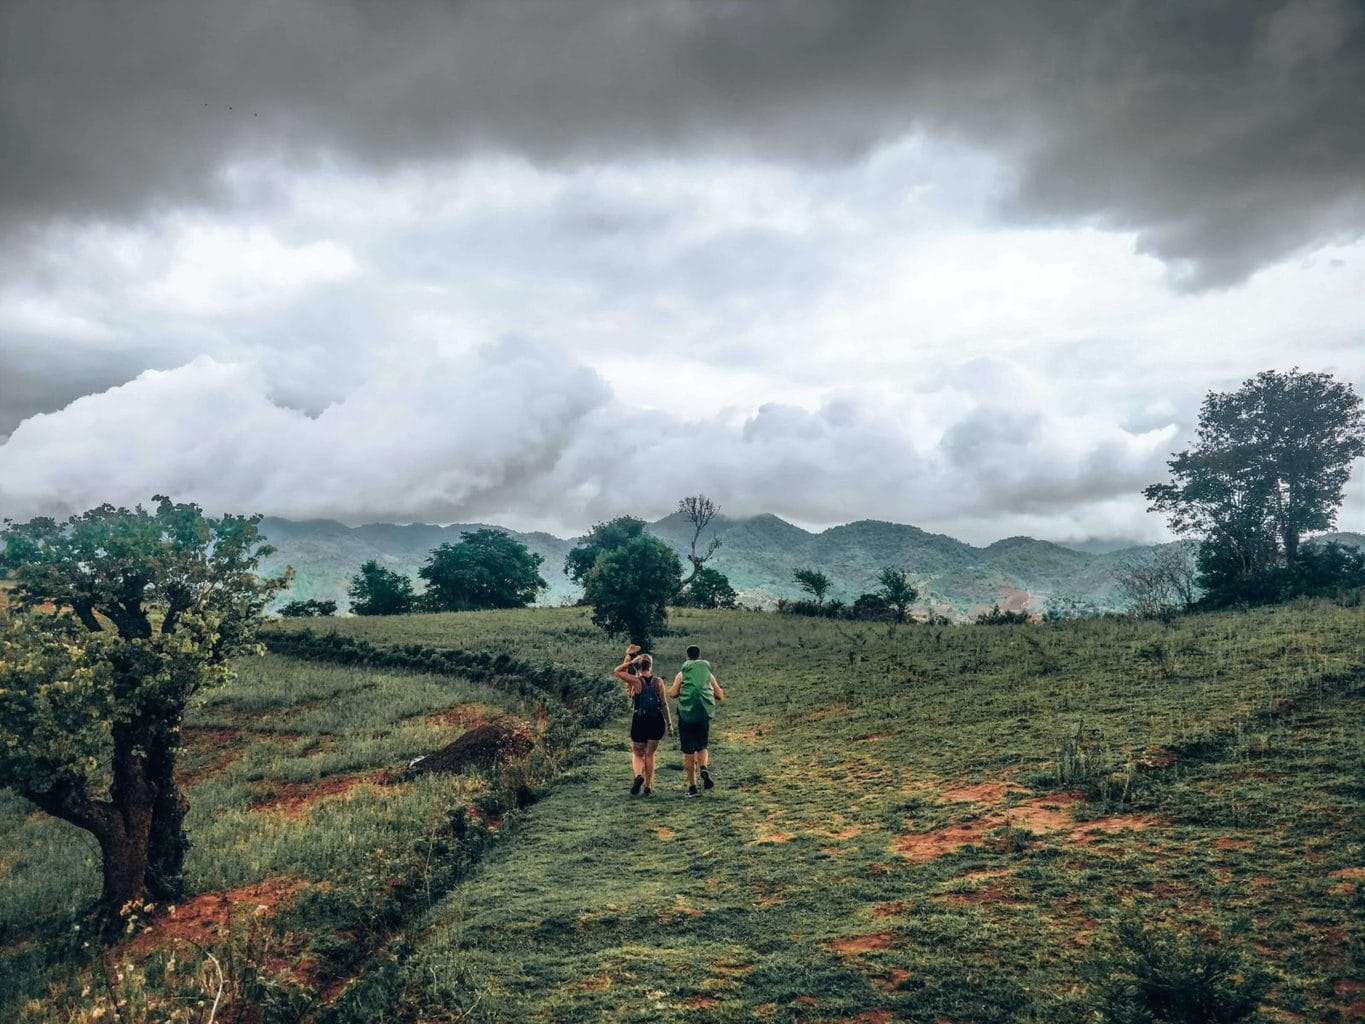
[850, 944]
[204, 919]
[1043, 815]
[294, 799]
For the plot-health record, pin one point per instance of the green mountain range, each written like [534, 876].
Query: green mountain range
[758, 554]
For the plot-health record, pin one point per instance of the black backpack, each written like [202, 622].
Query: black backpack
[648, 701]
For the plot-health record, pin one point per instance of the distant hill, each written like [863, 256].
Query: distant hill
[758, 554]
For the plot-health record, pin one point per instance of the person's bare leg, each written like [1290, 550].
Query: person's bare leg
[637, 758]
[704, 762]
[690, 763]
[650, 748]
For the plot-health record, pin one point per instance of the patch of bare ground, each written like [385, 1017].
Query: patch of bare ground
[1352, 994]
[295, 799]
[774, 837]
[204, 919]
[1044, 815]
[1350, 880]
[468, 715]
[982, 793]
[679, 909]
[994, 894]
[665, 833]
[895, 908]
[701, 1002]
[851, 944]
[1228, 843]
[746, 735]
[871, 1017]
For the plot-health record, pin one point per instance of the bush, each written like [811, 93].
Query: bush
[813, 609]
[1158, 975]
[310, 609]
[996, 617]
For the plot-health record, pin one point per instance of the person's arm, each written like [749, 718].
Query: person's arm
[677, 686]
[623, 670]
[720, 694]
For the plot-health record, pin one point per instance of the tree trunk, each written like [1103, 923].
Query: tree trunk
[167, 842]
[124, 849]
[126, 835]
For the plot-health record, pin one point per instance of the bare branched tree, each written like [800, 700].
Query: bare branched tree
[700, 510]
[1159, 581]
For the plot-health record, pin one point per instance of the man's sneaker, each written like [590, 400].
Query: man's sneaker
[706, 779]
[635, 789]
[648, 791]
[691, 790]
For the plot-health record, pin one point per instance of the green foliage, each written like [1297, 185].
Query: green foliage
[56, 703]
[603, 537]
[871, 607]
[309, 609]
[708, 589]
[375, 590]
[813, 582]
[1269, 466]
[1156, 974]
[1061, 607]
[628, 577]
[1321, 570]
[811, 609]
[997, 617]
[487, 569]
[149, 607]
[897, 590]
[592, 698]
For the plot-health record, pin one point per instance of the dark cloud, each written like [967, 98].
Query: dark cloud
[1226, 134]
[37, 376]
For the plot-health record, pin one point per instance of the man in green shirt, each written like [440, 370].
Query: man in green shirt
[696, 691]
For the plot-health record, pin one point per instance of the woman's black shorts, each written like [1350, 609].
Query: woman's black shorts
[644, 728]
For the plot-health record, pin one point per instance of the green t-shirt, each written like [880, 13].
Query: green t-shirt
[696, 697]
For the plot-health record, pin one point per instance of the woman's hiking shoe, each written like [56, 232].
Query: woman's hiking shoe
[648, 791]
[706, 779]
[635, 789]
[691, 790]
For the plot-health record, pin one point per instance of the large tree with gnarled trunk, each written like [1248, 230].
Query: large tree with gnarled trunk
[119, 616]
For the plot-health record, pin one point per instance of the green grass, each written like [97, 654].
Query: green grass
[1237, 739]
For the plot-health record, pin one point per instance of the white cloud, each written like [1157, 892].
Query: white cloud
[523, 434]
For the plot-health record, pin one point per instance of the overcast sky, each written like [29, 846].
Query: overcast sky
[966, 265]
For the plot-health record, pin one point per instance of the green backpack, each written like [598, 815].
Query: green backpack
[696, 698]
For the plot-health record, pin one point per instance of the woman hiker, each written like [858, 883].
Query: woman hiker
[650, 721]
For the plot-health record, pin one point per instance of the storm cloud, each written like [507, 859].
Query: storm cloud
[1224, 135]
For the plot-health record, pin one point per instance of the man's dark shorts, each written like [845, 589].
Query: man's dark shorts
[693, 736]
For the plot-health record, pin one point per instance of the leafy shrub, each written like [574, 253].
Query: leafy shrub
[1158, 975]
[996, 617]
[310, 609]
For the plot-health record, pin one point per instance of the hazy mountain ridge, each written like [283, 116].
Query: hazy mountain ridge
[757, 553]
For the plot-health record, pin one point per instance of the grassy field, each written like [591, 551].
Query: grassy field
[923, 824]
